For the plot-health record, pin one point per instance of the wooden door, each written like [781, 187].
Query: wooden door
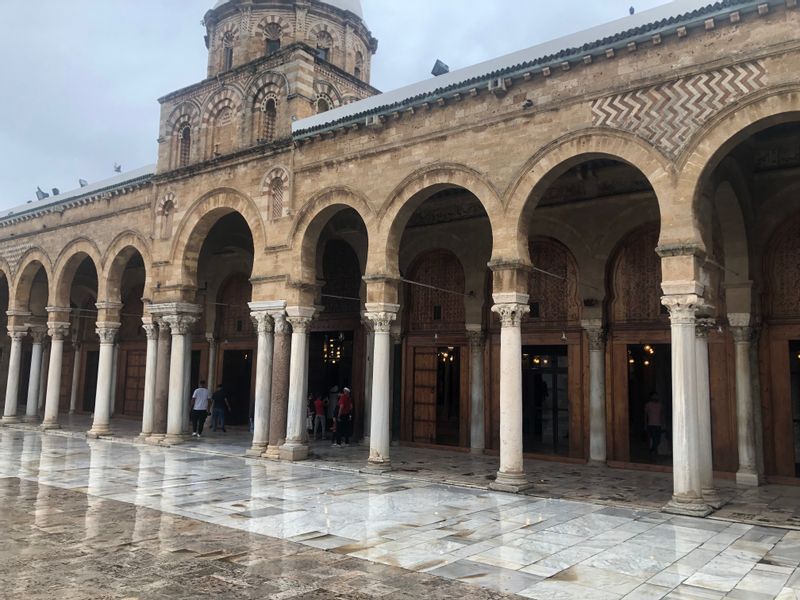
[424, 401]
[133, 393]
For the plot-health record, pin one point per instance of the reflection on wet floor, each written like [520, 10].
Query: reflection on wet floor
[133, 506]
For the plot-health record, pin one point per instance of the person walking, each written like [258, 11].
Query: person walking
[199, 408]
[653, 421]
[219, 404]
[344, 421]
[319, 418]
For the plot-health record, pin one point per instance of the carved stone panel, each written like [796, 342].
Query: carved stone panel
[431, 308]
[636, 279]
[783, 271]
[554, 292]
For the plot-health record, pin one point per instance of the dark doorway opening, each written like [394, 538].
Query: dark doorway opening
[650, 379]
[545, 399]
[90, 380]
[330, 365]
[236, 373]
[448, 395]
[24, 379]
[794, 386]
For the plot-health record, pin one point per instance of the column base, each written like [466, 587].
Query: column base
[477, 451]
[272, 452]
[98, 431]
[154, 439]
[49, 426]
[293, 451]
[30, 418]
[513, 483]
[748, 478]
[10, 420]
[256, 450]
[377, 467]
[173, 439]
[596, 463]
[711, 498]
[689, 507]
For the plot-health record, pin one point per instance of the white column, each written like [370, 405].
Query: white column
[477, 426]
[43, 373]
[211, 378]
[745, 417]
[369, 370]
[58, 331]
[294, 448]
[38, 334]
[597, 390]
[112, 385]
[12, 386]
[151, 364]
[187, 384]
[4, 360]
[687, 498]
[706, 447]
[511, 308]
[107, 332]
[381, 316]
[181, 326]
[76, 374]
[261, 411]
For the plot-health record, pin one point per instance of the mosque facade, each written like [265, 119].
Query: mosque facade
[545, 255]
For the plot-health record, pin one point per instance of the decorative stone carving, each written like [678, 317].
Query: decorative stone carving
[703, 326]
[596, 337]
[682, 308]
[58, 331]
[17, 335]
[280, 324]
[38, 334]
[511, 313]
[382, 321]
[107, 332]
[476, 339]
[180, 324]
[262, 321]
[150, 330]
[300, 324]
[667, 115]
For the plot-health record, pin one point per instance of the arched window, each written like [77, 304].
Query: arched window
[276, 189]
[270, 116]
[185, 146]
[359, 68]
[227, 51]
[323, 105]
[324, 45]
[272, 35]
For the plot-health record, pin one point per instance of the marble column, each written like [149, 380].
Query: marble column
[597, 390]
[706, 452]
[263, 395]
[187, 386]
[687, 498]
[211, 379]
[17, 334]
[369, 370]
[112, 386]
[38, 333]
[5, 349]
[162, 383]
[397, 350]
[477, 425]
[150, 367]
[381, 316]
[107, 332]
[280, 383]
[43, 374]
[76, 374]
[294, 448]
[511, 308]
[58, 331]
[745, 415]
[181, 327]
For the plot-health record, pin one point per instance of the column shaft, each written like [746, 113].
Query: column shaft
[178, 401]
[151, 365]
[212, 363]
[102, 403]
[380, 426]
[163, 360]
[294, 448]
[597, 392]
[76, 373]
[705, 446]
[477, 441]
[12, 386]
[58, 331]
[35, 375]
[745, 418]
[261, 410]
[511, 476]
[280, 384]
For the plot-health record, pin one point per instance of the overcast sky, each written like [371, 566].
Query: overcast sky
[80, 78]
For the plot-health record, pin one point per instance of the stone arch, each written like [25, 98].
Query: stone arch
[560, 155]
[327, 91]
[554, 301]
[634, 278]
[117, 256]
[186, 114]
[67, 264]
[225, 102]
[275, 187]
[311, 220]
[198, 221]
[322, 29]
[27, 268]
[781, 269]
[721, 134]
[269, 21]
[410, 194]
[582, 250]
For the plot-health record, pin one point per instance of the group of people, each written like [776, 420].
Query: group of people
[204, 403]
[342, 419]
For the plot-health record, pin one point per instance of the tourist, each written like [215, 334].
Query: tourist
[199, 408]
[219, 404]
[319, 417]
[653, 422]
[344, 425]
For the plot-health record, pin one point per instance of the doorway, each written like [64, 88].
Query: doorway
[437, 395]
[650, 380]
[330, 365]
[545, 400]
[794, 387]
[237, 368]
[90, 380]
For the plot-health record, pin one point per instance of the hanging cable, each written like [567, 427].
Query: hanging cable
[438, 289]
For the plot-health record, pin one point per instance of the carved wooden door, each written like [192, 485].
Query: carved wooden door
[424, 395]
[133, 394]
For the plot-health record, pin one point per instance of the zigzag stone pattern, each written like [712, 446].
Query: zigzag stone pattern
[667, 115]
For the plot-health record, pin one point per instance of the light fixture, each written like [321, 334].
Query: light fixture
[563, 336]
[647, 363]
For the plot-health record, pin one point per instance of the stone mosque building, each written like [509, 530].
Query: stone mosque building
[510, 259]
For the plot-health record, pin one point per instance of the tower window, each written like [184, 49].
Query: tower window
[323, 105]
[277, 197]
[322, 53]
[270, 118]
[273, 46]
[185, 146]
[227, 59]
[272, 34]
[324, 45]
[359, 66]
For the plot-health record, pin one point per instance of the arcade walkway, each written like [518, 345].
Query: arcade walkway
[148, 508]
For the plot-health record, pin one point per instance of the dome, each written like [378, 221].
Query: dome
[354, 6]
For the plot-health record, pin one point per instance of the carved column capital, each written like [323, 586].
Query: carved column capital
[280, 324]
[476, 339]
[107, 331]
[180, 324]
[58, 330]
[38, 333]
[150, 330]
[703, 326]
[300, 324]
[381, 321]
[212, 341]
[511, 313]
[17, 334]
[682, 308]
[262, 321]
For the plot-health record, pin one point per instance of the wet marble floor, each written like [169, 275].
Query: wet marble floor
[114, 520]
